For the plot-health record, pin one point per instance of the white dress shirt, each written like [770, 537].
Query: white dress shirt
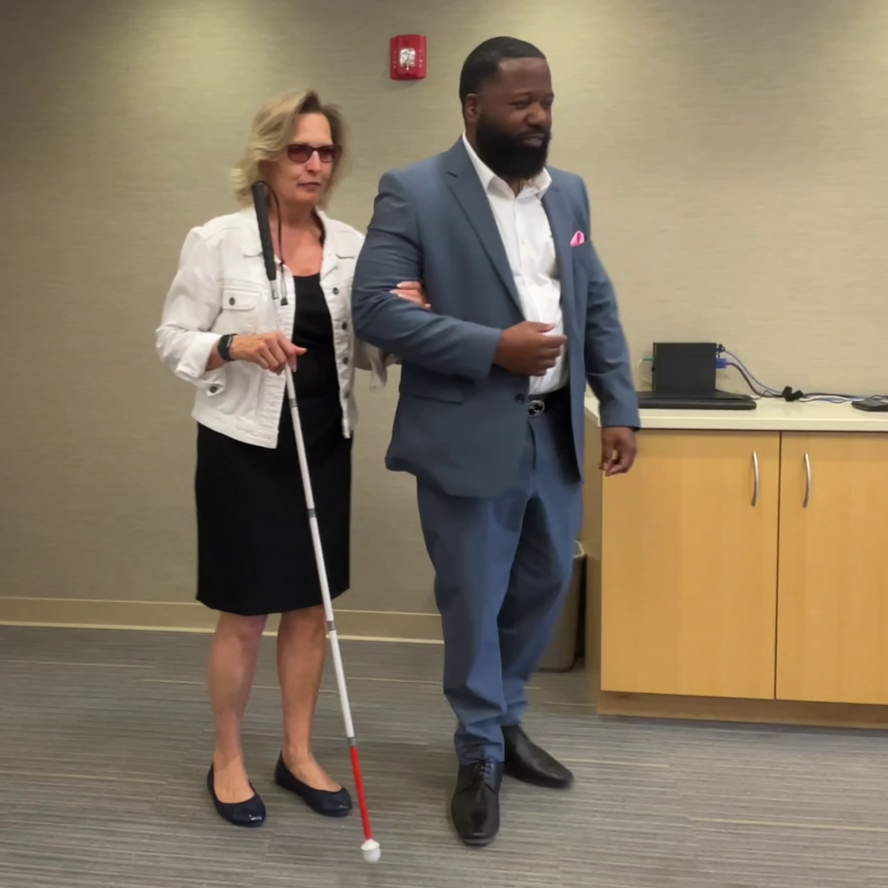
[527, 236]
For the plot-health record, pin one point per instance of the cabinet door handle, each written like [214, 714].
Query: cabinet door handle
[758, 478]
[808, 482]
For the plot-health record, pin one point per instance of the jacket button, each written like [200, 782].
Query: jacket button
[336, 291]
[345, 360]
[345, 325]
[231, 301]
[214, 389]
[520, 399]
[346, 393]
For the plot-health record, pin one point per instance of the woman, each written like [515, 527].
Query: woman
[223, 332]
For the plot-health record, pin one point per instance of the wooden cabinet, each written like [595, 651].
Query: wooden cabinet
[832, 615]
[689, 566]
[750, 566]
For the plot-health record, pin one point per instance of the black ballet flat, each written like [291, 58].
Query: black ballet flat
[330, 804]
[250, 813]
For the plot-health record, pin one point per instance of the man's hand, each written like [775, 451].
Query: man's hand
[617, 450]
[529, 349]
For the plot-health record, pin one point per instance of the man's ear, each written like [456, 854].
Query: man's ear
[471, 108]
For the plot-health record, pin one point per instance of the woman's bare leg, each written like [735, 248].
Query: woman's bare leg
[301, 649]
[232, 667]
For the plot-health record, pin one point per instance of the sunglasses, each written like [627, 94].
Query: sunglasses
[301, 153]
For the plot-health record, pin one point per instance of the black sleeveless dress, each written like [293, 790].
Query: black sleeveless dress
[255, 551]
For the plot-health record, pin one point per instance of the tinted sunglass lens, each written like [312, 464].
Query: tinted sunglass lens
[302, 153]
[298, 153]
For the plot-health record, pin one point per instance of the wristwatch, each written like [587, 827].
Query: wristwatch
[225, 347]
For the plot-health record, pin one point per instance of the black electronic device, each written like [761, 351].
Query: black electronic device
[684, 367]
[684, 378]
[875, 404]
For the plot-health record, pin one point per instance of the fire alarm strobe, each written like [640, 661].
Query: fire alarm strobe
[409, 57]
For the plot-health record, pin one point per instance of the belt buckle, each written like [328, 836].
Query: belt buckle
[536, 407]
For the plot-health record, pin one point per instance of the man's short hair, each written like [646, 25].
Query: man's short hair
[483, 62]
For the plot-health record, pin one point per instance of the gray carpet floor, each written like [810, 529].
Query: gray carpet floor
[105, 738]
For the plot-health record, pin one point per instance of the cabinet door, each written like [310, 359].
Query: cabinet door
[689, 566]
[832, 627]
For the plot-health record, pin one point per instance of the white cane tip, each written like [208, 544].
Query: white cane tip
[371, 851]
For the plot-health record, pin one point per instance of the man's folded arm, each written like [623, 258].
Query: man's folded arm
[391, 254]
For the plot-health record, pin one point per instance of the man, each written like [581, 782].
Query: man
[490, 418]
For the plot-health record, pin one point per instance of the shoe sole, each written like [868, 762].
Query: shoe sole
[477, 843]
[255, 825]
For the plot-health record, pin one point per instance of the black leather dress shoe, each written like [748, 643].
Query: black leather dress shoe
[330, 804]
[475, 805]
[525, 761]
[248, 813]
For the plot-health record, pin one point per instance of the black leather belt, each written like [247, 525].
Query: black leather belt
[537, 404]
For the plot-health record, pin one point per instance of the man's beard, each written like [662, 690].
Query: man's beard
[507, 155]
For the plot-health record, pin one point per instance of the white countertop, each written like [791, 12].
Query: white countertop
[776, 416]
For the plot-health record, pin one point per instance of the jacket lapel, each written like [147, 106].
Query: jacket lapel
[559, 221]
[469, 192]
[330, 260]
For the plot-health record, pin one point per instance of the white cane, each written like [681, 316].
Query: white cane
[370, 849]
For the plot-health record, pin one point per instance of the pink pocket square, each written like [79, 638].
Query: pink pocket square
[578, 239]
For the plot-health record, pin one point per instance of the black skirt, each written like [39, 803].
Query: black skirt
[255, 550]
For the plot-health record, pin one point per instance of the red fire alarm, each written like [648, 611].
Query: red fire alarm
[409, 57]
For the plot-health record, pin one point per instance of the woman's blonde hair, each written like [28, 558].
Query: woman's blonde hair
[271, 133]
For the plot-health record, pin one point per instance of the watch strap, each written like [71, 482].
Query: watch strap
[225, 347]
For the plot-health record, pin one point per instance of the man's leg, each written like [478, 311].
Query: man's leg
[539, 582]
[472, 544]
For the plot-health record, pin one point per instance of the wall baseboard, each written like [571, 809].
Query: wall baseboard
[194, 617]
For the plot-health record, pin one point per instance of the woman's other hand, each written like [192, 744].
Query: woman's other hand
[271, 351]
[413, 292]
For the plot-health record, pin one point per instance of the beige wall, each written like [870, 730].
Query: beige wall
[735, 153]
